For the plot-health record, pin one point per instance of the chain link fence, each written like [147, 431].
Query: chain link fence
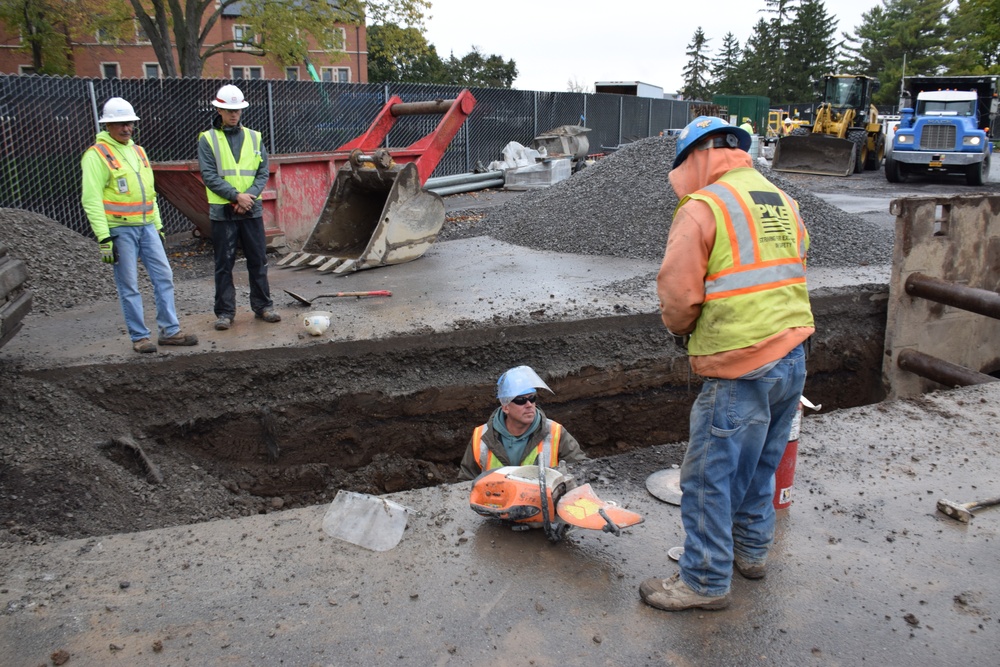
[46, 123]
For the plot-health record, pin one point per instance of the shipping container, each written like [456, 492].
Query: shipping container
[754, 107]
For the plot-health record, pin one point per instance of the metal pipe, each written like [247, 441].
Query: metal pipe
[973, 299]
[457, 179]
[417, 108]
[467, 187]
[942, 372]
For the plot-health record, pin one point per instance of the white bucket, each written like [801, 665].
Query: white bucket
[754, 146]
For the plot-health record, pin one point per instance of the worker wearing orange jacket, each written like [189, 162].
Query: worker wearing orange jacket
[518, 432]
[733, 280]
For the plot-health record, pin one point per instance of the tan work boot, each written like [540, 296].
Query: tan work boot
[179, 338]
[268, 315]
[748, 569]
[674, 595]
[143, 345]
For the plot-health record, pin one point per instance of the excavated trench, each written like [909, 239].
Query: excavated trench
[387, 415]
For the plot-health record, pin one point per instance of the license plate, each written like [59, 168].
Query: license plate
[935, 163]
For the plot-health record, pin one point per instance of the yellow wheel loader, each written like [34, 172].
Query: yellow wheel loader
[845, 136]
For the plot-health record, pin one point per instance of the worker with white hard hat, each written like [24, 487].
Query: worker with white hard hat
[233, 163]
[518, 432]
[733, 283]
[119, 199]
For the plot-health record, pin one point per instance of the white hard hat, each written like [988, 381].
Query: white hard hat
[517, 381]
[316, 322]
[117, 110]
[230, 97]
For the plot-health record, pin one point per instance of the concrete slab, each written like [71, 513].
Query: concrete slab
[864, 571]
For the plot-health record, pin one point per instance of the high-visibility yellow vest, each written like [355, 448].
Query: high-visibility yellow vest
[755, 285]
[128, 194]
[239, 174]
[547, 449]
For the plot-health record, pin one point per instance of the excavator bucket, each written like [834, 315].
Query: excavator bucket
[377, 214]
[814, 154]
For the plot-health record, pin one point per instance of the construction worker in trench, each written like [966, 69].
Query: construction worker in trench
[119, 200]
[518, 432]
[733, 285]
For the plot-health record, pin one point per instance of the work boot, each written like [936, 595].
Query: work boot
[674, 595]
[223, 323]
[268, 315]
[750, 569]
[179, 338]
[143, 345]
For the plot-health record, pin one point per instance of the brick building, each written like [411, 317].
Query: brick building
[136, 59]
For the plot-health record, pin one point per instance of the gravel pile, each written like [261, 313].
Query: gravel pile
[64, 267]
[623, 204]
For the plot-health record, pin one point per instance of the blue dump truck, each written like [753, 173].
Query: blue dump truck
[947, 126]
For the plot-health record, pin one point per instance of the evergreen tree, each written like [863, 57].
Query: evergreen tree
[758, 57]
[973, 38]
[725, 79]
[780, 64]
[696, 72]
[811, 51]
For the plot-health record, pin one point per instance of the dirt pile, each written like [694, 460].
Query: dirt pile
[622, 206]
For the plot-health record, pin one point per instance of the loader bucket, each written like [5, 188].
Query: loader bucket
[376, 215]
[814, 154]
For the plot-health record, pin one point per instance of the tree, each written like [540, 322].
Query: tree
[47, 28]
[724, 68]
[973, 38]
[478, 70]
[754, 69]
[398, 55]
[278, 27]
[914, 28]
[811, 51]
[696, 72]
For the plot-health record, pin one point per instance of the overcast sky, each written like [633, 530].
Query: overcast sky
[557, 41]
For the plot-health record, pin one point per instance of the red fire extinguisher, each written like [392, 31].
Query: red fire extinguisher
[784, 476]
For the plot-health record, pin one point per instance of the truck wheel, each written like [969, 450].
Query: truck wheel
[976, 174]
[893, 173]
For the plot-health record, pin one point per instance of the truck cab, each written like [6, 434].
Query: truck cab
[945, 132]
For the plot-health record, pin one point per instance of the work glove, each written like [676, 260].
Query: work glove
[163, 240]
[109, 253]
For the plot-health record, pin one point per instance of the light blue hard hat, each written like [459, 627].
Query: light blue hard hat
[703, 126]
[518, 381]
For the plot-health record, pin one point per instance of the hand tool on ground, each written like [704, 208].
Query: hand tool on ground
[309, 302]
[525, 496]
[367, 521]
[963, 511]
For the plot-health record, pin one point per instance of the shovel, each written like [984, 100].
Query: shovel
[308, 302]
[367, 521]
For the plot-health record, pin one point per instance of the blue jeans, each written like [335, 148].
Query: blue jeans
[248, 233]
[739, 430]
[143, 243]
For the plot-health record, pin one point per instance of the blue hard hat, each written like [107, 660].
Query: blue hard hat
[518, 381]
[704, 126]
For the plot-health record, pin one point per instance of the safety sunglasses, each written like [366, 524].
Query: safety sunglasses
[521, 400]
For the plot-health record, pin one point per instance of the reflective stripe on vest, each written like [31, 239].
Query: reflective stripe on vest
[751, 273]
[548, 448]
[125, 207]
[240, 175]
[756, 265]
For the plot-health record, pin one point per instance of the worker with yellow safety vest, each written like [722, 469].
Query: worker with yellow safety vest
[518, 432]
[233, 163]
[119, 200]
[733, 279]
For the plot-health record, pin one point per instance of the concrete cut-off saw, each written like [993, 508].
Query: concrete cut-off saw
[527, 497]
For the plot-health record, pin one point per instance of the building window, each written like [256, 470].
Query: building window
[151, 70]
[25, 69]
[248, 72]
[109, 70]
[105, 37]
[291, 73]
[335, 74]
[243, 34]
[340, 38]
[140, 35]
